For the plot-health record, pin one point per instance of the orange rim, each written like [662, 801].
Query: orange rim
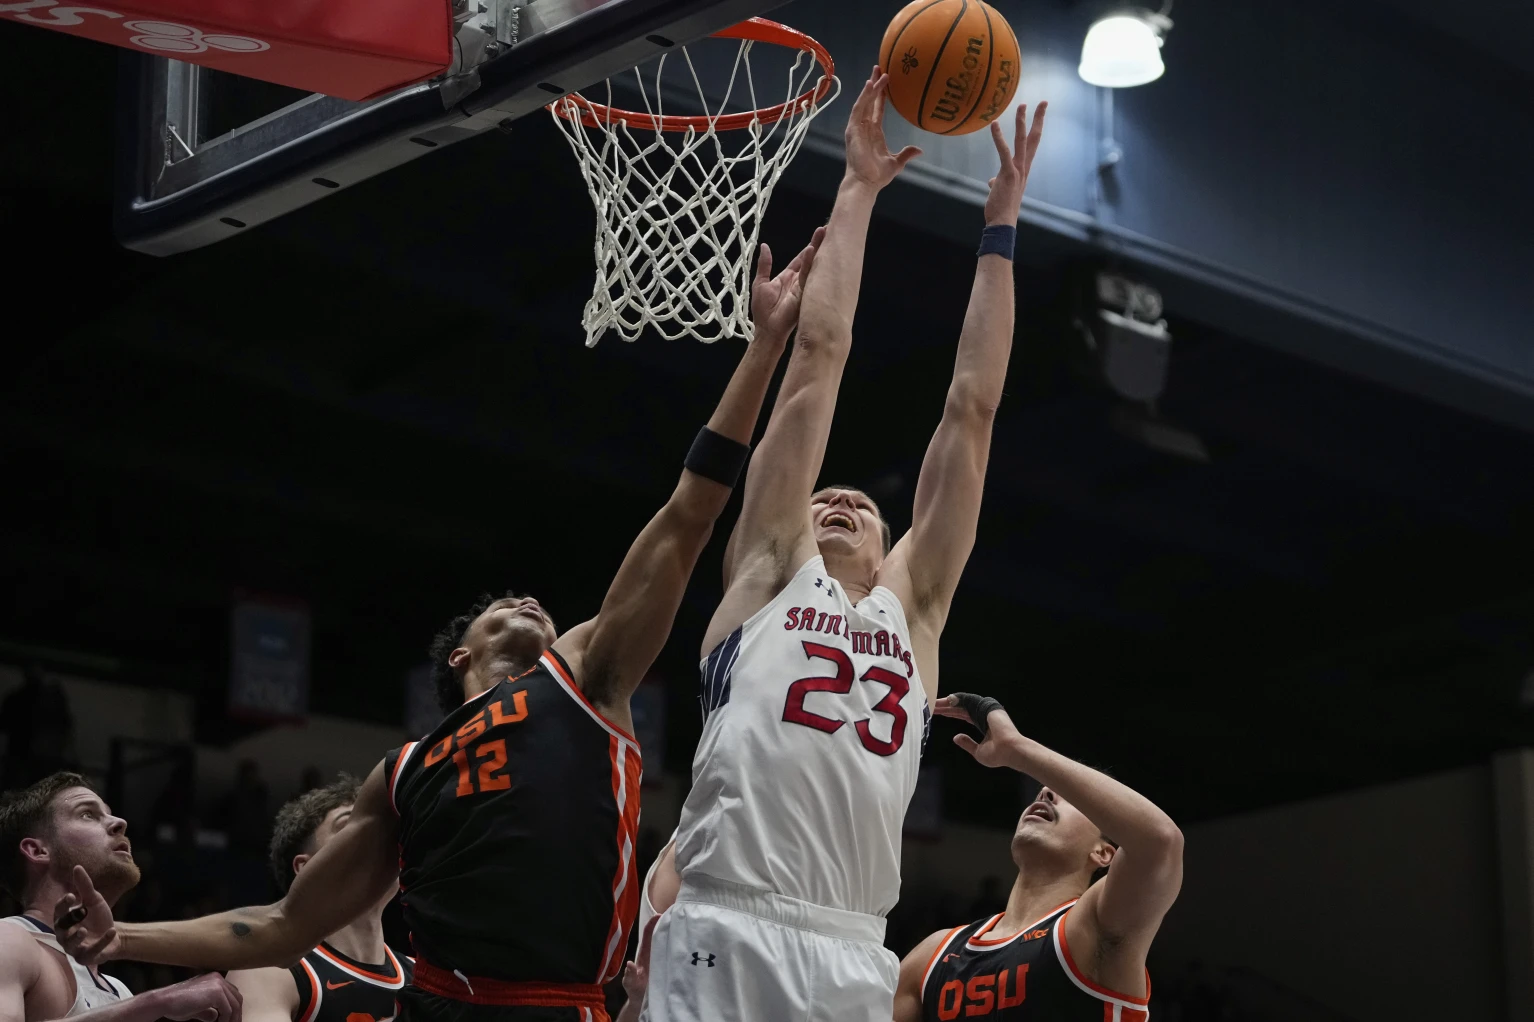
[760, 30]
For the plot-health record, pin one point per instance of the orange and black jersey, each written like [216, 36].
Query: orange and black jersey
[1027, 976]
[335, 988]
[518, 820]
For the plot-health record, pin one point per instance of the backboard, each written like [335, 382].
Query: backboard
[204, 156]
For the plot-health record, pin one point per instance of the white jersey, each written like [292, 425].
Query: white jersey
[815, 722]
[92, 990]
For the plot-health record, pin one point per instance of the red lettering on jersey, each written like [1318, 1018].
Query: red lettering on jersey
[518, 710]
[910, 668]
[881, 644]
[821, 625]
[862, 642]
[980, 996]
[807, 620]
[946, 1011]
[834, 625]
[895, 641]
[793, 619]
[1004, 1002]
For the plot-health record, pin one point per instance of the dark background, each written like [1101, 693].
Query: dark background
[321, 409]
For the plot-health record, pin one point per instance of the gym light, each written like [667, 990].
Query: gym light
[1124, 49]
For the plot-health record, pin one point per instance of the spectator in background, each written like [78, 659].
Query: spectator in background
[246, 820]
[175, 807]
[244, 815]
[38, 728]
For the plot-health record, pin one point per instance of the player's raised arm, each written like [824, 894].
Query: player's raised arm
[353, 873]
[948, 492]
[1114, 923]
[611, 653]
[774, 524]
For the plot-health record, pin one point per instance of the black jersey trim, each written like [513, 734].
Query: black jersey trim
[932, 963]
[717, 672]
[399, 769]
[1083, 983]
[317, 987]
[561, 672]
[362, 971]
[974, 943]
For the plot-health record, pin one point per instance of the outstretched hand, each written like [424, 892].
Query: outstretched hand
[997, 749]
[83, 924]
[1007, 187]
[775, 300]
[868, 157]
[636, 976]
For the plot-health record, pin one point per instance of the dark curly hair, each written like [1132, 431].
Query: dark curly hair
[299, 820]
[28, 813]
[448, 685]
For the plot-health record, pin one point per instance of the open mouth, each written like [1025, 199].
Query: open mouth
[838, 520]
[1040, 811]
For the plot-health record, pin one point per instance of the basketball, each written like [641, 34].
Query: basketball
[953, 65]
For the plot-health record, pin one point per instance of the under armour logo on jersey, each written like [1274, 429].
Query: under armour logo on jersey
[821, 583]
[698, 958]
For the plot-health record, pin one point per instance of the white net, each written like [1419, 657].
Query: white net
[679, 212]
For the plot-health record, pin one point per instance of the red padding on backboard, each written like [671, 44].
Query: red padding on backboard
[355, 49]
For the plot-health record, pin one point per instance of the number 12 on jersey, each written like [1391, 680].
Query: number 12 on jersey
[481, 764]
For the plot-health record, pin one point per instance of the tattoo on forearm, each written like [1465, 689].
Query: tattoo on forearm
[239, 929]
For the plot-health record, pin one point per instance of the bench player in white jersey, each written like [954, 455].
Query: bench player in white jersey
[48, 831]
[821, 662]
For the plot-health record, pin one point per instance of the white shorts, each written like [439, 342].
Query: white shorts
[727, 953]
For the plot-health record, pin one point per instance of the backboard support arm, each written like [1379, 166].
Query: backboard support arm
[176, 193]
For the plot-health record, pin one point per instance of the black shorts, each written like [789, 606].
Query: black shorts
[419, 1006]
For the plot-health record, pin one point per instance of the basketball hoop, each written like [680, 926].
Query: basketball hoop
[679, 210]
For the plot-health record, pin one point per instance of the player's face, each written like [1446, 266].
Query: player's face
[334, 823]
[85, 833]
[1053, 827]
[516, 628]
[847, 525]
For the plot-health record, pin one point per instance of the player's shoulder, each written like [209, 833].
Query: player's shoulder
[20, 953]
[266, 988]
[922, 954]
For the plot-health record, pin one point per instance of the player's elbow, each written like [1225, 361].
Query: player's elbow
[822, 336]
[288, 939]
[1164, 841]
[972, 403]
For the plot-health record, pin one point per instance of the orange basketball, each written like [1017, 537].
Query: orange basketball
[953, 65]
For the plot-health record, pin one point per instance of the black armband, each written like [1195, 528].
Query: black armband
[717, 457]
[978, 708]
[999, 240]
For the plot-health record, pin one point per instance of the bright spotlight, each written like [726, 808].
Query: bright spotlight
[1124, 49]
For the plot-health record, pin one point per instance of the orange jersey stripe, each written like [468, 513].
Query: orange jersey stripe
[314, 992]
[404, 754]
[1070, 963]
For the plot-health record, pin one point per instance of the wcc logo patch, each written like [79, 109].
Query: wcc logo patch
[699, 958]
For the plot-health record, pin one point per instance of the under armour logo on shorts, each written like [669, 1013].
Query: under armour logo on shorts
[698, 958]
